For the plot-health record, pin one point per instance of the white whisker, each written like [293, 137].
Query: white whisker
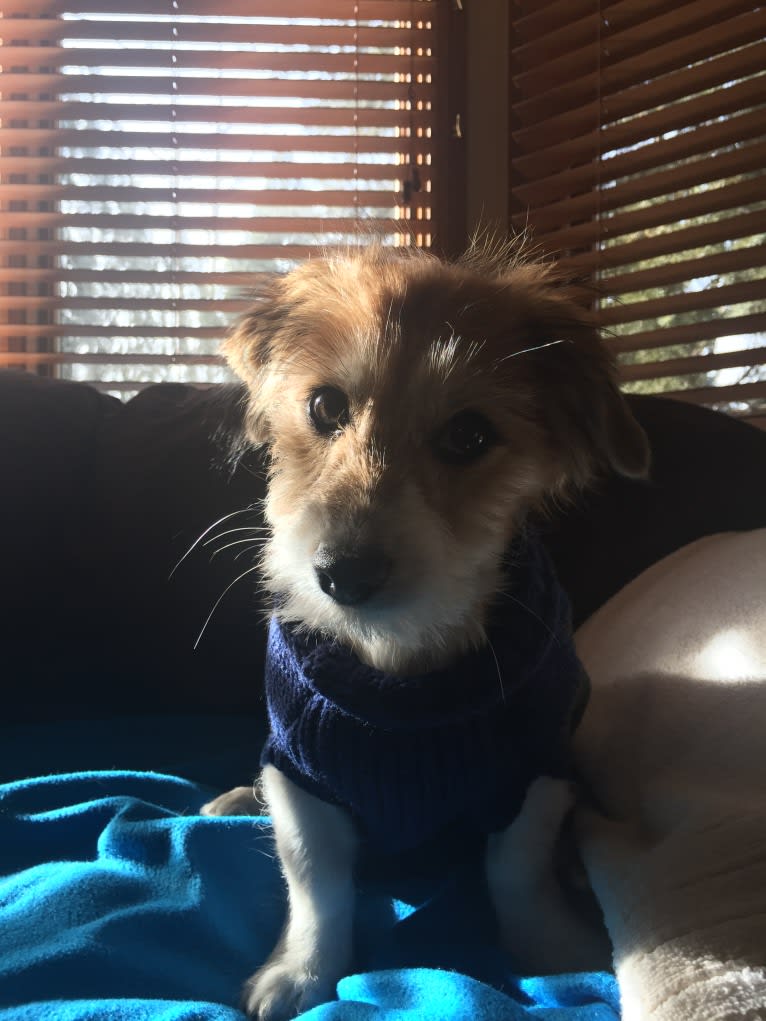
[207, 531]
[529, 350]
[249, 549]
[499, 671]
[231, 531]
[387, 324]
[548, 628]
[220, 599]
[253, 542]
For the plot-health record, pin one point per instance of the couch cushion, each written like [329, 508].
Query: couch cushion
[100, 500]
[49, 525]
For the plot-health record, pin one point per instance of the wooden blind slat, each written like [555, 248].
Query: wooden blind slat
[612, 138]
[719, 69]
[183, 220]
[704, 138]
[236, 278]
[741, 392]
[632, 103]
[690, 269]
[716, 200]
[226, 193]
[693, 365]
[231, 140]
[688, 333]
[712, 232]
[652, 186]
[303, 32]
[151, 249]
[215, 167]
[624, 114]
[158, 62]
[638, 137]
[560, 45]
[134, 332]
[180, 249]
[688, 24]
[674, 304]
[145, 303]
[540, 36]
[286, 10]
[348, 88]
[604, 80]
[352, 115]
[8, 358]
[141, 148]
[535, 20]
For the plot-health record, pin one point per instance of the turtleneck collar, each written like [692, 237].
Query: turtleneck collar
[528, 623]
[409, 755]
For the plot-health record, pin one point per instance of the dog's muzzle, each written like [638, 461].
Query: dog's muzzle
[351, 577]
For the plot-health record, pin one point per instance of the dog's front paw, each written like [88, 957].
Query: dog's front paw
[240, 801]
[280, 990]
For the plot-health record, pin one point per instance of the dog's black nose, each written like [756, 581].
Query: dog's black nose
[351, 577]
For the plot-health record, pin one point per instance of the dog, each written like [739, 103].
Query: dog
[415, 412]
[671, 750]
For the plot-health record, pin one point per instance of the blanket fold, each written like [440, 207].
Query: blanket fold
[117, 900]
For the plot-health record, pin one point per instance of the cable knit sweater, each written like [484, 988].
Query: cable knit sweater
[411, 756]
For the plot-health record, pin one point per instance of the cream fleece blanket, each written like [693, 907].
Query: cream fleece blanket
[674, 746]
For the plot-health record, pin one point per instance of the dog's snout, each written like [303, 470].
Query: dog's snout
[351, 577]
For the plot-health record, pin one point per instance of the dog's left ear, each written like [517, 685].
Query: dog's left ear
[582, 404]
[619, 435]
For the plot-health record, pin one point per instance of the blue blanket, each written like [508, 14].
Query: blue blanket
[117, 900]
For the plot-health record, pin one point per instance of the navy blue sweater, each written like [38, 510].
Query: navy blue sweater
[411, 756]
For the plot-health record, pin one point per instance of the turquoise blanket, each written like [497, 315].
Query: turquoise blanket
[117, 900]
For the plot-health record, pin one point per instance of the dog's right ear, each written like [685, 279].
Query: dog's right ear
[248, 350]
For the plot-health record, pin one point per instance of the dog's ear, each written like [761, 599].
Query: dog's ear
[248, 349]
[583, 405]
[623, 440]
[614, 432]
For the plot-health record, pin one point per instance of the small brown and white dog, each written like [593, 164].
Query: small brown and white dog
[415, 412]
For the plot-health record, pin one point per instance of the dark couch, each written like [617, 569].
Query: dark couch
[100, 500]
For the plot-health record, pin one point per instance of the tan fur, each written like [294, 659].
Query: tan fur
[411, 341]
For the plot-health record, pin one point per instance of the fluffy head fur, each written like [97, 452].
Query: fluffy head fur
[411, 342]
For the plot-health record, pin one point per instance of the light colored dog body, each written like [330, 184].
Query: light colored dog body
[414, 413]
[672, 746]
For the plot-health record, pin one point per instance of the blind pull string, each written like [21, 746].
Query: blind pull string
[601, 23]
[357, 217]
[412, 184]
[174, 172]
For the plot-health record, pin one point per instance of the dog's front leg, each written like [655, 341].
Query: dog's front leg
[541, 927]
[316, 843]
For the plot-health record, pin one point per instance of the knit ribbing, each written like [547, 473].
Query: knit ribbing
[407, 756]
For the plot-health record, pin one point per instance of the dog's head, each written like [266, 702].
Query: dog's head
[415, 411]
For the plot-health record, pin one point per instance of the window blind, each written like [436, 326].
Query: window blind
[156, 157]
[638, 156]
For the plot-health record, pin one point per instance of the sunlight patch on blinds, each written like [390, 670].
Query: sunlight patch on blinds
[639, 133]
[155, 159]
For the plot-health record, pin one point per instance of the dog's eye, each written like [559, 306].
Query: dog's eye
[465, 438]
[328, 410]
